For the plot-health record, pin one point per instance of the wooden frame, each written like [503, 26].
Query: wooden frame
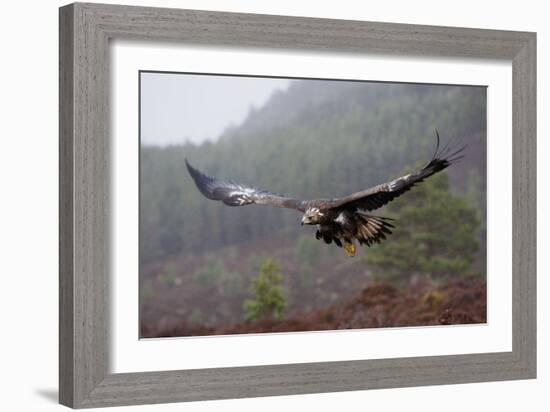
[85, 31]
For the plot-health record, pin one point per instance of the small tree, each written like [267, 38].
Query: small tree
[270, 300]
[435, 234]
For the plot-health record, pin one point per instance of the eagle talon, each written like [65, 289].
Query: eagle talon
[349, 248]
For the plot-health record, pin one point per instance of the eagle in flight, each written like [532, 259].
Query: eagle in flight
[340, 220]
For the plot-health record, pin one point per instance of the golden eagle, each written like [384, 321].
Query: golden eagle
[339, 220]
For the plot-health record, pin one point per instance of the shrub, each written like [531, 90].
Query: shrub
[270, 300]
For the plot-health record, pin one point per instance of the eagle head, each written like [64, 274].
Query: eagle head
[312, 216]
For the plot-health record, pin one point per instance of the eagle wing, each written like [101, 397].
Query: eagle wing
[378, 196]
[236, 194]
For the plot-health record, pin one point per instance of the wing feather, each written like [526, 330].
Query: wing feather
[236, 194]
[380, 195]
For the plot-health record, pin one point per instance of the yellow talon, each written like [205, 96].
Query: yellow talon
[349, 248]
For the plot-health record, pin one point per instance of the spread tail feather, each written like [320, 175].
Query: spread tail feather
[372, 229]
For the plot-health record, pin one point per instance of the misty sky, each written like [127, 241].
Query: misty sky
[180, 107]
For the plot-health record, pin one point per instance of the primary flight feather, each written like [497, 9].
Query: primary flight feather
[339, 220]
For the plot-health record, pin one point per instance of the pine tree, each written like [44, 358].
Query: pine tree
[270, 300]
[435, 235]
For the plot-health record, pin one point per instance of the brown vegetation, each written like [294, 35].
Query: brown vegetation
[378, 305]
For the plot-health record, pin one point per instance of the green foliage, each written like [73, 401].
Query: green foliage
[435, 234]
[269, 301]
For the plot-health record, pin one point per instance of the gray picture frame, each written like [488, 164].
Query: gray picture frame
[85, 31]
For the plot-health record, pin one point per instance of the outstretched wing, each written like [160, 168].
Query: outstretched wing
[380, 195]
[236, 194]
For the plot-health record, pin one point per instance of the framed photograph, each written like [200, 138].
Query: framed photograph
[258, 205]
